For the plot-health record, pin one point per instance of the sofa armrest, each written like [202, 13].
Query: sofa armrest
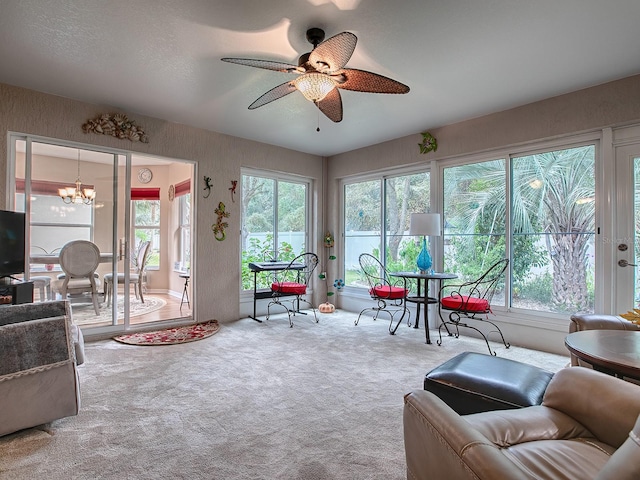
[441, 444]
[78, 343]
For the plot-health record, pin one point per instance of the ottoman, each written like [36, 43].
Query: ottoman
[475, 382]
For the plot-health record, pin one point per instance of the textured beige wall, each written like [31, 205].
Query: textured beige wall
[217, 156]
[610, 104]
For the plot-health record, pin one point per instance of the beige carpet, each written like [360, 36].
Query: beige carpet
[255, 401]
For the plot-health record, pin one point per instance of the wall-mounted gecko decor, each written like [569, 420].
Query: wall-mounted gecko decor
[117, 125]
[428, 144]
[232, 188]
[207, 187]
[219, 226]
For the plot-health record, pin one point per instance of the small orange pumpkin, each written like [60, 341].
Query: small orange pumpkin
[326, 307]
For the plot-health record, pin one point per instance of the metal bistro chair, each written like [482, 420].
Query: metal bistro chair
[293, 281]
[471, 301]
[390, 296]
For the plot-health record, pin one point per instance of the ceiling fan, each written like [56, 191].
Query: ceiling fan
[321, 73]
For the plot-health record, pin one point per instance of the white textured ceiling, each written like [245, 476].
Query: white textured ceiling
[461, 59]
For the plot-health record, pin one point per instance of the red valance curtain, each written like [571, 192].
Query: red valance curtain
[145, 193]
[44, 187]
[182, 188]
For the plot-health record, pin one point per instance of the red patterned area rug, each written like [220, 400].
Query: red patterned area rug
[171, 336]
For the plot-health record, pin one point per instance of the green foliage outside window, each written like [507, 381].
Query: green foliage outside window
[261, 251]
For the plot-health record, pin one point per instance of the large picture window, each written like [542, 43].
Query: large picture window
[475, 209]
[53, 223]
[551, 213]
[388, 201]
[274, 221]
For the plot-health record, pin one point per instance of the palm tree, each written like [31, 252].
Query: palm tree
[566, 202]
[552, 198]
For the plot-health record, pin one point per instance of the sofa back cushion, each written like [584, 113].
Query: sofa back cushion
[611, 424]
[32, 311]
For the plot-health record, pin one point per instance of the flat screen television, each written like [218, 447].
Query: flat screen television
[12, 248]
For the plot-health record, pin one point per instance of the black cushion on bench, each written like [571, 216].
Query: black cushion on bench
[474, 382]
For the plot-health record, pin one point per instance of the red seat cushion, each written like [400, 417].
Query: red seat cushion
[291, 288]
[389, 292]
[465, 303]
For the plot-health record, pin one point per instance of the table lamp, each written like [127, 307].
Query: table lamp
[425, 224]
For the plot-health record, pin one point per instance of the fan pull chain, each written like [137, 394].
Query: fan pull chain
[318, 129]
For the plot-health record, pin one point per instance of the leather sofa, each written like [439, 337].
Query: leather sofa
[38, 370]
[587, 427]
[597, 321]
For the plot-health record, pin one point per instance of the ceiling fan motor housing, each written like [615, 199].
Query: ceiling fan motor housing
[315, 36]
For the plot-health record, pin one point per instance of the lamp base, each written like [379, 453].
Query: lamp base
[424, 261]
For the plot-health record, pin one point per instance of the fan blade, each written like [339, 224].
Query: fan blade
[266, 64]
[273, 94]
[331, 105]
[362, 81]
[334, 53]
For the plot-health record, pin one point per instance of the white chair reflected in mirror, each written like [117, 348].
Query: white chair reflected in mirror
[79, 260]
[136, 278]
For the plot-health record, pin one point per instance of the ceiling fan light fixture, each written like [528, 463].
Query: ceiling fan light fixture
[314, 86]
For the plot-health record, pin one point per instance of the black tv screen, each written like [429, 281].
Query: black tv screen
[12, 246]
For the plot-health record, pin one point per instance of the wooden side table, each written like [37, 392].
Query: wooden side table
[615, 352]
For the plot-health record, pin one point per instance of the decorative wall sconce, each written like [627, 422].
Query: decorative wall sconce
[428, 144]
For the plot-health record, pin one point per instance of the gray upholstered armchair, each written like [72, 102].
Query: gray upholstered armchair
[38, 376]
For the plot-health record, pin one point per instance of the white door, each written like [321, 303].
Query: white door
[626, 244]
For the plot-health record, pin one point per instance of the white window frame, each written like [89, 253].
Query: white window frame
[156, 227]
[185, 231]
[247, 294]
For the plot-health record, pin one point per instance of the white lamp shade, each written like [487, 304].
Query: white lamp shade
[427, 224]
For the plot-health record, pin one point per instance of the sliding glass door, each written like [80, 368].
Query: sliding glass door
[70, 193]
[130, 201]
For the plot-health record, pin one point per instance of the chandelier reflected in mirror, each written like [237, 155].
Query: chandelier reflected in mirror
[77, 194]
